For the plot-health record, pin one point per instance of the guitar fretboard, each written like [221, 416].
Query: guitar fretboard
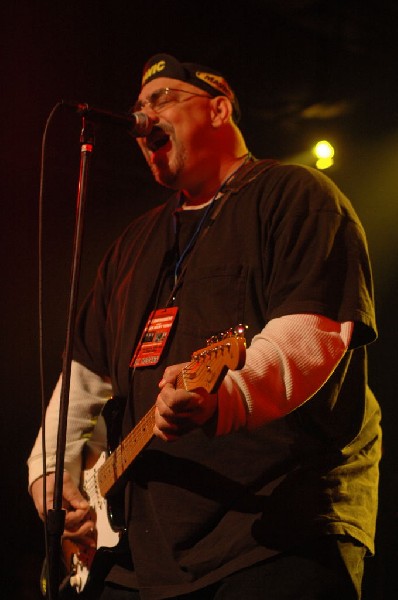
[117, 463]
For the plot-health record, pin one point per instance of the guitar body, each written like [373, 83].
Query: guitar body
[83, 568]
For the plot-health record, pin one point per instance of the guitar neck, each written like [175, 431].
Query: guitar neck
[118, 462]
[206, 370]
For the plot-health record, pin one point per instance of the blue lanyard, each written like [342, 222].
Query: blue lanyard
[193, 239]
[198, 232]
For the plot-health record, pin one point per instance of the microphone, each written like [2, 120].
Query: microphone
[138, 124]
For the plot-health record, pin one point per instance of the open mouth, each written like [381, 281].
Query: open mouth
[157, 139]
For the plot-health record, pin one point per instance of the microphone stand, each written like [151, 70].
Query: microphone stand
[56, 516]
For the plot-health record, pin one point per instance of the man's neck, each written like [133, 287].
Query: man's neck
[207, 192]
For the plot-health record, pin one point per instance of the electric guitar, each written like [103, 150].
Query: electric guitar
[206, 370]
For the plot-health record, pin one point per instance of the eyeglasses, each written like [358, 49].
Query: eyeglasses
[160, 99]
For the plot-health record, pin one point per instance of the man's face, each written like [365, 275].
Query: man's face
[178, 145]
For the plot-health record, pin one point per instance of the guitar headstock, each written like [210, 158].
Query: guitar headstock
[209, 365]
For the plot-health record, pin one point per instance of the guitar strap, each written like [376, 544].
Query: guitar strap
[113, 414]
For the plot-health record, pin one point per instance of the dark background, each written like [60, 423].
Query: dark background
[303, 70]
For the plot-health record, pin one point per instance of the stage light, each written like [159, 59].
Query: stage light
[324, 153]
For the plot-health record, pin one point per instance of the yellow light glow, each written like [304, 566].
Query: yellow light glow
[324, 163]
[324, 153]
[324, 149]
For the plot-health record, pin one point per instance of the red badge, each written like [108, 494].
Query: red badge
[154, 337]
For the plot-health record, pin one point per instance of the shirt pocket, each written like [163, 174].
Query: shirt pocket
[212, 300]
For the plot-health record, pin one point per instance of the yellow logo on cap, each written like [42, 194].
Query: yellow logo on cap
[156, 68]
[216, 82]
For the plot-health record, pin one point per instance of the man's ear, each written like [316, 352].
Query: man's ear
[221, 110]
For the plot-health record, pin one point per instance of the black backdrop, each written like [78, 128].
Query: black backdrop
[303, 70]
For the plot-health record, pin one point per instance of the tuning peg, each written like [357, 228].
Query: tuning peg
[240, 330]
[237, 331]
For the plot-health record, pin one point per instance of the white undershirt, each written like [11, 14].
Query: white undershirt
[286, 364]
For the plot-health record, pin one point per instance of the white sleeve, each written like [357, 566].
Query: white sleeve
[87, 396]
[286, 364]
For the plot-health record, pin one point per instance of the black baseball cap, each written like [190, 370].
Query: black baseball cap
[205, 78]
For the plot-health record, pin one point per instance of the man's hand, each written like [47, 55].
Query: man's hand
[179, 411]
[79, 523]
